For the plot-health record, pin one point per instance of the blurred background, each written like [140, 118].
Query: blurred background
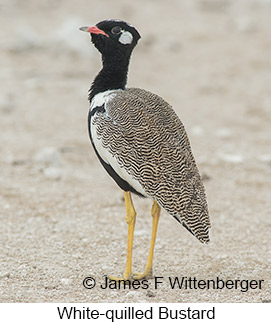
[62, 217]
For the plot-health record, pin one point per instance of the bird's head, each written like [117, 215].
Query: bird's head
[113, 35]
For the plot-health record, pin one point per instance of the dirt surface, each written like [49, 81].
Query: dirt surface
[63, 218]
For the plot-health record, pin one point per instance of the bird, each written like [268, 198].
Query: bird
[142, 144]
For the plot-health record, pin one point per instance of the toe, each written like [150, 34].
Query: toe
[119, 279]
[145, 275]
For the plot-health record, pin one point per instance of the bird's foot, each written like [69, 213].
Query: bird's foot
[146, 275]
[126, 277]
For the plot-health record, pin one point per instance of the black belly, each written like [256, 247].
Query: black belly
[121, 182]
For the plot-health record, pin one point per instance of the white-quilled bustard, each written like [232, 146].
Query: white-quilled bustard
[142, 143]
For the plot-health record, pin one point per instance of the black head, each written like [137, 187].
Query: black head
[113, 35]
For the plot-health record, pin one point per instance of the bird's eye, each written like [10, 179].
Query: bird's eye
[116, 30]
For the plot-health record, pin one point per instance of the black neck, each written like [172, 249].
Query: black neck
[112, 76]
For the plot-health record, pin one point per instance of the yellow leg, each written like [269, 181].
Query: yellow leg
[130, 219]
[155, 212]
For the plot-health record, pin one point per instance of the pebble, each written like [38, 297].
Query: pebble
[66, 281]
[245, 24]
[53, 173]
[197, 130]
[5, 275]
[50, 287]
[224, 133]
[232, 158]
[132, 293]
[150, 293]
[266, 158]
[6, 104]
[49, 156]
[140, 233]
[205, 177]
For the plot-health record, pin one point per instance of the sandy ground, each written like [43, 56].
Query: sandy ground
[63, 218]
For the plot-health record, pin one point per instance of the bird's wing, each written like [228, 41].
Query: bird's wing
[149, 143]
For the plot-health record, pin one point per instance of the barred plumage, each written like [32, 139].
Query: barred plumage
[148, 140]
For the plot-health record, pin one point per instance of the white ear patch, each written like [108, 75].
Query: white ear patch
[126, 38]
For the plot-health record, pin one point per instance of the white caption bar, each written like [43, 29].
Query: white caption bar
[117, 312]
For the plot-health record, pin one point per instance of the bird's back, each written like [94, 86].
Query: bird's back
[148, 140]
